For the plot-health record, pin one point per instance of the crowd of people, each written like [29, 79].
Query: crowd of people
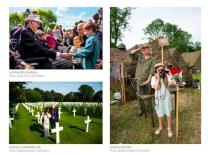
[77, 48]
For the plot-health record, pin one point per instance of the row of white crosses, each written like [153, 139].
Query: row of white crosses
[59, 113]
[10, 121]
[39, 118]
[85, 110]
[12, 118]
[87, 121]
[16, 107]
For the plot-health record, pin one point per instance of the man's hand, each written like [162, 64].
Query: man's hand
[73, 49]
[136, 50]
[158, 74]
[66, 56]
[99, 65]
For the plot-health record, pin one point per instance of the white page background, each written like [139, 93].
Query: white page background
[102, 75]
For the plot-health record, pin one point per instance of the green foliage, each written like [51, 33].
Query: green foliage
[33, 95]
[86, 92]
[119, 22]
[15, 19]
[177, 37]
[40, 91]
[98, 97]
[48, 18]
[16, 92]
[48, 96]
[70, 97]
[154, 29]
[58, 97]
[19, 94]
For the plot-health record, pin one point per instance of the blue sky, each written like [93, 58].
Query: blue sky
[187, 18]
[66, 16]
[63, 87]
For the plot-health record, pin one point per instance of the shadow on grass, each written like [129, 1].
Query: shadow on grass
[53, 140]
[96, 123]
[36, 127]
[33, 120]
[75, 127]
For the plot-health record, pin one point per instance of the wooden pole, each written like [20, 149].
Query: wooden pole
[162, 55]
[122, 83]
[177, 111]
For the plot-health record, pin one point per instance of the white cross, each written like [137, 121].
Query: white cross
[59, 113]
[16, 108]
[74, 111]
[10, 121]
[32, 112]
[57, 130]
[38, 117]
[87, 121]
[85, 110]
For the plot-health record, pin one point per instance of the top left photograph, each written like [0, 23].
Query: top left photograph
[56, 38]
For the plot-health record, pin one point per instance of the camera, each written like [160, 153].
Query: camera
[163, 73]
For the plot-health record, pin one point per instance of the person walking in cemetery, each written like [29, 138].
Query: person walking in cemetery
[92, 51]
[54, 116]
[31, 48]
[46, 122]
[160, 82]
[144, 71]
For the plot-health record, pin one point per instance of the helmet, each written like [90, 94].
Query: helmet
[121, 46]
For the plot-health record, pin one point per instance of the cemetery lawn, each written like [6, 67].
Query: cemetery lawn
[26, 130]
[128, 128]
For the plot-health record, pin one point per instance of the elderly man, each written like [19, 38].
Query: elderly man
[144, 70]
[80, 30]
[32, 49]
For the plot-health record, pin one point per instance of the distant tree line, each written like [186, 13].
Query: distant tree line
[177, 37]
[19, 93]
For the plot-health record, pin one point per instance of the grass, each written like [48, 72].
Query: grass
[128, 128]
[26, 130]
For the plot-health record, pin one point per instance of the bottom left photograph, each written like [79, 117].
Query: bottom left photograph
[55, 112]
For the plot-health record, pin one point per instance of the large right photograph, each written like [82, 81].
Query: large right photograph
[155, 75]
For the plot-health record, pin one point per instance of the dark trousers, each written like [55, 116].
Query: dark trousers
[62, 64]
[139, 100]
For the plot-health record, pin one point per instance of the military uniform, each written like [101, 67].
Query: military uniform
[143, 69]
